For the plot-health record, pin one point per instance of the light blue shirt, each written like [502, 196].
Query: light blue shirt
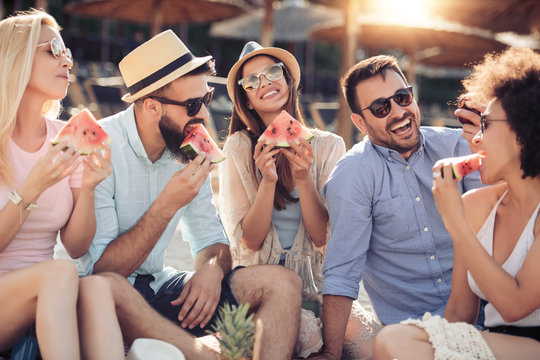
[125, 196]
[386, 228]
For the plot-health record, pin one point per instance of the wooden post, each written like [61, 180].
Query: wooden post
[157, 18]
[344, 126]
[267, 30]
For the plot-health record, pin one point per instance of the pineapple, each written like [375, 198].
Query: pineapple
[236, 332]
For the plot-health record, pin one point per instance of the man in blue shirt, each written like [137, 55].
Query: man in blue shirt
[151, 190]
[385, 227]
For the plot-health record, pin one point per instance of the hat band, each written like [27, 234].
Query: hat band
[161, 73]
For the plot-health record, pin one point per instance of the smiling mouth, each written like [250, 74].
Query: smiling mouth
[401, 127]
[270, 93]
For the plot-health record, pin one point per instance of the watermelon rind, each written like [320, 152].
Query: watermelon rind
[284, 140]
[81, 122]
[471, 162]
[191, 151]
[190, 148]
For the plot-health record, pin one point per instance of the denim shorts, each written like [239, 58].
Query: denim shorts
[161, 301]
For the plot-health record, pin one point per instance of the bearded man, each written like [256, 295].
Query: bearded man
[151, 190]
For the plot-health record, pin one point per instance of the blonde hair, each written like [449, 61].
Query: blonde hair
[19, 36]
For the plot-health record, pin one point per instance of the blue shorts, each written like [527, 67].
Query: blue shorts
[161, 301]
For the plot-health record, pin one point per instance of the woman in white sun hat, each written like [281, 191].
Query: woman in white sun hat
[270, 198]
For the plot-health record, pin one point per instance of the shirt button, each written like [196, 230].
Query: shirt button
[389, 158]
[408, 167]
[432, 257]
[426, 229]
[417, 198]
[439, 280]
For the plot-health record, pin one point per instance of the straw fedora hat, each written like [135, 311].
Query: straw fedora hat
[156, 63]
[252, 49]
[144, 349]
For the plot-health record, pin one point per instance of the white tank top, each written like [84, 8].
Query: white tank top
[511, 266]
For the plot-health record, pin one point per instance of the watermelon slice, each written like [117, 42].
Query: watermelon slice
[83, 131]
[464, 165]
[199, 140]
[285, 129]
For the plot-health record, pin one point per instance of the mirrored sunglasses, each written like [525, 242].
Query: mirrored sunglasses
[253, 81]
[193, 106]
[57, 49]
[381, 107]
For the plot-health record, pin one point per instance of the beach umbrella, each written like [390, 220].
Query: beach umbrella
[518, 16]
[450, 44]
[292, 22]
[157, 13]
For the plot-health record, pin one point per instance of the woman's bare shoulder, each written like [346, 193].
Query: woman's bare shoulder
[479, 203]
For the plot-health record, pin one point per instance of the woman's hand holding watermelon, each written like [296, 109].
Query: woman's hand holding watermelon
[265, 160]
[97, 166]
[447, 196]
[57, 163]
[300, 159]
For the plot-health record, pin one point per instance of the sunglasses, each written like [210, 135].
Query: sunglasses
[484, 122]
[58, 50]
[193, 106]
[272, 73]
[381, 107]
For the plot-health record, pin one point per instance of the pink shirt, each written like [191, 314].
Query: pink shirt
[36, 238]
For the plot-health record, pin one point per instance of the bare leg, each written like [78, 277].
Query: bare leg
[274, 294]
[139, 320]
[47, 294]
[512, 347]
[402, 342]
[99, 330]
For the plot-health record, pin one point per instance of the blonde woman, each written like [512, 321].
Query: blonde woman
[43, 191]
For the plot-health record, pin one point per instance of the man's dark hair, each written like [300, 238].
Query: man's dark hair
[513, 77]
[366, 69]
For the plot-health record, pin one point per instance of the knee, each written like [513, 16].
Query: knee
[117, 284]
[288, 283]
[95, 284]
[62, 272]
[387, 340]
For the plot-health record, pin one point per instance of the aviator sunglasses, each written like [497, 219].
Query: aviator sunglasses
[484, 121]
[58, 50]
[272, 73]
[193, 106]
[381, 107]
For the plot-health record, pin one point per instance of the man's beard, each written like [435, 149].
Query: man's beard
[173, 137]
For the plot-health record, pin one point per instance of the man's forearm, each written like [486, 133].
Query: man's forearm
[128, 251]
[218, 255]
[336, 312]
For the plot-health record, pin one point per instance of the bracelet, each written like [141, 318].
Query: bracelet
[18, 200]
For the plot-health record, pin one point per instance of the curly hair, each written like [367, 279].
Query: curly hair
[513, 77]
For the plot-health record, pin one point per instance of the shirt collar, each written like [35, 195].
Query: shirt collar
[393, 155]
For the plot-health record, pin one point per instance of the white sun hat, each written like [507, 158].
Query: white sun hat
[152, 349]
